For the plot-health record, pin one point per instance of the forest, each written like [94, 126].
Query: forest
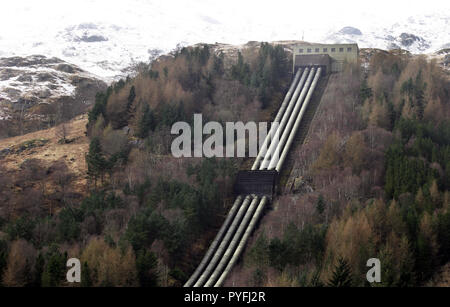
[374, 173]
[147, 217]
[373, 179]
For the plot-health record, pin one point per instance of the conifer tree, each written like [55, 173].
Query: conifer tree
[131, 96]
[95, 160]
[55, 268]
[320, 207]
[146, 122]
[146, 264]
[342, 275]
[86, 280]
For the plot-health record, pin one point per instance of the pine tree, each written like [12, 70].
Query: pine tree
[55, 268]
[241, 71]
[365, 91]
[95, 160]
[315, 279]
[259, 253]
[131, 96]
[320, 207]
[38, 270]
[86, 280]
[146, 122]
[419, 95]
[342, 275]
[146, 264]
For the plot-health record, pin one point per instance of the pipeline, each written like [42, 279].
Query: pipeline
[244, 214]
[223, 244]
[275, 146]
[280, 113]
[288, 98]
[236, 238]
[280, 126]
[215, 242]
[297, 122]
[263, 201]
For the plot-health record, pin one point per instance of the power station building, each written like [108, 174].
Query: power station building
[330, 57]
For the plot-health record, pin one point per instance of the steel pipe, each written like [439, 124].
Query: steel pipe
[243, 241]
[280, 113]
[297, 123]
[218, 257]
[288, 131]
[287, 115]
[236, 238]
[223, 244]
[214, 243]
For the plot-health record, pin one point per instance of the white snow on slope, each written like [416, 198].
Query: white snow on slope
[107, 37]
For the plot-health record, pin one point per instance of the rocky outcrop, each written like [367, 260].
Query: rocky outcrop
[350, 31]
[91, 38]
[408, 41]
[36, 91]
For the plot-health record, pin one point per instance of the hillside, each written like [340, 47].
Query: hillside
[371, 178]
[140, 201]
[38, 165]
[37, 92]
[347, 200]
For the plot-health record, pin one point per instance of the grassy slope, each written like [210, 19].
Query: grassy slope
[52, 151]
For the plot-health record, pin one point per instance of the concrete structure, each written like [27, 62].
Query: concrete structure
[330, 57]
[313, 60]
[256, 182]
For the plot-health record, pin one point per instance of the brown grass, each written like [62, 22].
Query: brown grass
[72, 154]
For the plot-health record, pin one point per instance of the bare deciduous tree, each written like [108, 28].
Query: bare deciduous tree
[62, 132]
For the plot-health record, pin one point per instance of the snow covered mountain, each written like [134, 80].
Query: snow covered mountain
[34, 90]
[107, 38]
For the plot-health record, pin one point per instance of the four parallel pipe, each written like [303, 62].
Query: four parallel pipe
[215, 242]
[286, 132]
[242, 218]
[282, 124]
[213, 252]
[236, 239]
[298, 121]
[280, 113]
[264, 200]
[206, 274]
[275, 147]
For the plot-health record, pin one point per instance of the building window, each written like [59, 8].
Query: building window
[325, 49]
[309, 50]
[317, 50]
[341, 49]
[300, 50]
[349, 49]
[333, 49]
